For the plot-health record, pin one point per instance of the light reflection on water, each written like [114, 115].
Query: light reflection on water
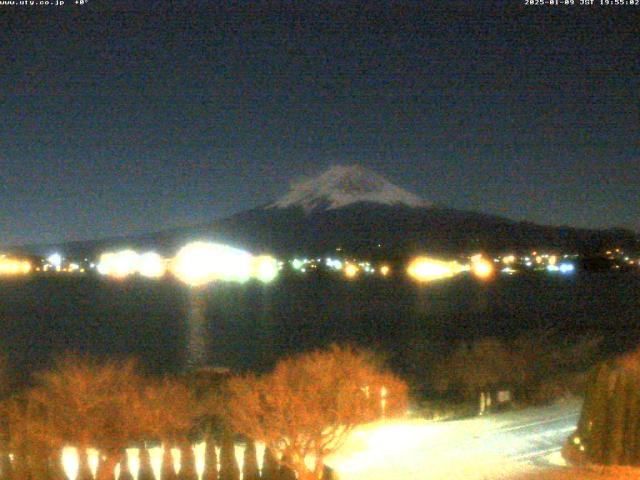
[197, 333]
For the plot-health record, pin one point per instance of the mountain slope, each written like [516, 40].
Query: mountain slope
[359, 211]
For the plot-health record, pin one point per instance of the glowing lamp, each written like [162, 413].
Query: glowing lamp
[175, 456]
[155, 459]
[70, 462]
[199, 455]
[133, 462]
[239, 453]
[93, 459]
[260, 448]
[218, 452]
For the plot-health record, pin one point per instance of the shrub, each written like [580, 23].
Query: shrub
[306, 408]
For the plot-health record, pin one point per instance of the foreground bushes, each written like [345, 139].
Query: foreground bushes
[302, 411]
[608, 432]
[306, 408]
[535, 368]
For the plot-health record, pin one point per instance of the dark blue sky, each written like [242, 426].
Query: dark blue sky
[118, 120]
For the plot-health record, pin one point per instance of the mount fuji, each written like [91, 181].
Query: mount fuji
[360, 212]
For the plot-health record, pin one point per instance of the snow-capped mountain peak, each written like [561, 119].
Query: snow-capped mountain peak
[344, 185]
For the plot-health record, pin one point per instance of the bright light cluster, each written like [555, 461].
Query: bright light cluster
[427, 269]
[334, 263]
[14, 266]
[199, 263]
[564, 267]
[366, 267]
[128, 262]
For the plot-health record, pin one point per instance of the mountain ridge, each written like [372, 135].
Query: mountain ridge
[353, 208]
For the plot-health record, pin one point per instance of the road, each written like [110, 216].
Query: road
[497, 446]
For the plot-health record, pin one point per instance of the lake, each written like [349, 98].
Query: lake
[168, 326]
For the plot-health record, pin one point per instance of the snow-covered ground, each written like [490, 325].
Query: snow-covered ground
[491, 447]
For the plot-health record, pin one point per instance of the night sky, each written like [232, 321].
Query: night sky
[119, 120]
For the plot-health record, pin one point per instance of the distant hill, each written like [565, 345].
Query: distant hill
[359, 211]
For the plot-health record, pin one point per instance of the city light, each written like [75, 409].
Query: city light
[426, 269]
[566, 267]
[481, 267]
[70, 462]
[118, 264]
[351, 270]
[55, 260]
[265, 268]
[509, 259]
[14, 266]
[199, 263]
[151, 265]
[334, 263]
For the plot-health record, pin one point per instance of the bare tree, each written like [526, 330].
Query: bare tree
[87, 404]
[168, 410]
[306, 408]
[476, 367]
